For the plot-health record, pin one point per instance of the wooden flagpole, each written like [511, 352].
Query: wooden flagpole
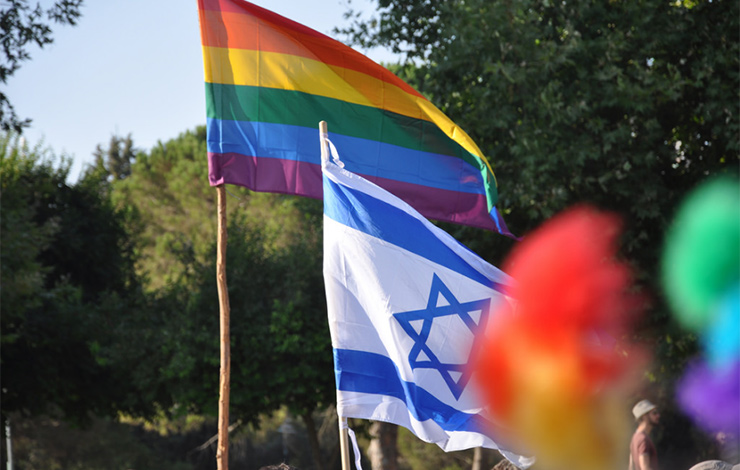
[343, 433]
[222, 450]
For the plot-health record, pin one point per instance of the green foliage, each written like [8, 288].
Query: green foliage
[114, 163]
[195, 346]
[46, 444]
[299, 325]
[68, 284]
[22, 24]
[22, 245]
[280, 346]
[172, 207]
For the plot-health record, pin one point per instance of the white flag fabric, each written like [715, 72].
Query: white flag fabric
[407, 306]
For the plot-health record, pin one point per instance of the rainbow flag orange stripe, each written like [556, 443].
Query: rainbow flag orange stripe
[270, 80]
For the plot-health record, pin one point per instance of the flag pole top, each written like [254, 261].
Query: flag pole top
[324, 140]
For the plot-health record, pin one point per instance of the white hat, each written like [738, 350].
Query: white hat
[645, 406]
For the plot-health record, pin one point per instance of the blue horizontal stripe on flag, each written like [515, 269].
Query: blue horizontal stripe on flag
[361, 156]
[364, 372]
[393, 225]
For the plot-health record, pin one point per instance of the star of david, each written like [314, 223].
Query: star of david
[456, 376]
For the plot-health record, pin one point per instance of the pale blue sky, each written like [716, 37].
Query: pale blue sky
[132, 66]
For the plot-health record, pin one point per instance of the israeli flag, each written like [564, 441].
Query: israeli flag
[407, 307]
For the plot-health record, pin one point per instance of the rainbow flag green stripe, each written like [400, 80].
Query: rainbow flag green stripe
[303, 109]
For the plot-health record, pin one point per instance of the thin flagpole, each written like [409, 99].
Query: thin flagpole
[222, 450]
[8, 445]
[344, 442]
[343, 433]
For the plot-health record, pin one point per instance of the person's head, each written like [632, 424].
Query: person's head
[281, 466]
[646, 411]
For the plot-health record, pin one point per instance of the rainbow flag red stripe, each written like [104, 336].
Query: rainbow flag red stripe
[270, 80]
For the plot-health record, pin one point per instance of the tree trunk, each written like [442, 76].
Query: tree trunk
[329, 436]
[313, 439]
[383, 451]
[477, 459]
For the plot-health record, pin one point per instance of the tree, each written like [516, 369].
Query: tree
[383, 450]
[299, 324]
[175, 207]
[280, 346]
[114, 163]
[625, 105]
[21, 25]
[69, 287]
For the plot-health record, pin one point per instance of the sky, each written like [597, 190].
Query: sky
[135, 67]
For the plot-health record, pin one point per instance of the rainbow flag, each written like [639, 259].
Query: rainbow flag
[270, 81]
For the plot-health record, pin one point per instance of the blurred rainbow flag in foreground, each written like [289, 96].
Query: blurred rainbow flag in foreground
[552, 371]
[270, 80]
